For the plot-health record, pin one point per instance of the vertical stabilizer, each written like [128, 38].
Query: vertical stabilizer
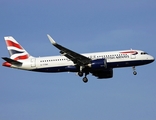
[16, 51]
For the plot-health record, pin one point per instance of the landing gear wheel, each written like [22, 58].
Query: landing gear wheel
[80, 74]
[135, 73]
[85, 79]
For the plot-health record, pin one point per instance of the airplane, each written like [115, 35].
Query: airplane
[99, 64]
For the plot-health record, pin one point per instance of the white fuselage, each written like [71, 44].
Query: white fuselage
[114, 59]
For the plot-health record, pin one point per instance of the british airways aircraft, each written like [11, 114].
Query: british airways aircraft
[99, 64]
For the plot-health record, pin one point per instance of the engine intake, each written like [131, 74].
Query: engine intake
[99, 63]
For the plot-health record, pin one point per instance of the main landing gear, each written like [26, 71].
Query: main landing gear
[134, 70]
[85, 79]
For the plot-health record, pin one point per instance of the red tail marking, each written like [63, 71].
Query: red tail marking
[21, 57]
[11, 43]
[6, 64]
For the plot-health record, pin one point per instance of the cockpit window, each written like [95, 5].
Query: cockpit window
[144, 53]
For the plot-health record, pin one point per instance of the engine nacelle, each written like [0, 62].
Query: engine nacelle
[107, 73]
[99, 63]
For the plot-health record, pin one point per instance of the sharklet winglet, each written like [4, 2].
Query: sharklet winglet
[51, 39]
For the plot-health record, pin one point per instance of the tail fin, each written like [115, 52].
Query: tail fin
[16, 51]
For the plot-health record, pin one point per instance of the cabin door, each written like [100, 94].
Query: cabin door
[33, 62]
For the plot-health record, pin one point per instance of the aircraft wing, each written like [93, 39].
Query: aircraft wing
[77, 58]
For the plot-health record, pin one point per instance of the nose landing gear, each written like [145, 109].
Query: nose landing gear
[135, 73]
[134, 70]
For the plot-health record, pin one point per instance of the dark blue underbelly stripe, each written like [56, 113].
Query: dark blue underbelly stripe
[109, 65]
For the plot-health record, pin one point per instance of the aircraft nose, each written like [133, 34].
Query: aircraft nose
[152, 58]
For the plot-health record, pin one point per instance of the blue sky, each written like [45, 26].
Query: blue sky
[83, 26]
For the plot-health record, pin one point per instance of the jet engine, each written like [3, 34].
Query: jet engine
[98, 63]
[100, 74]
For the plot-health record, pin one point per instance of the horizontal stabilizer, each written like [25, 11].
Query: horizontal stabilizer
[14, 62]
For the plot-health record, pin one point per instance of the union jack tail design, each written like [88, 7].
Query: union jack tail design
[16, 51]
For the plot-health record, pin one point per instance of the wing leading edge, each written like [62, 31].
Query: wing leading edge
[77, 58]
